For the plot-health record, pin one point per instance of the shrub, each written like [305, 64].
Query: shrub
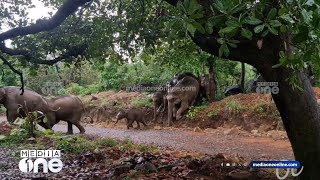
[194, 110]
[106, 142]
[75, 144]
[143, 101]
[234, 107]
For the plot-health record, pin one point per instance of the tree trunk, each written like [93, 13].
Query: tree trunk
[300, 115]
[212, 89]
[298, 109]
[243, 73]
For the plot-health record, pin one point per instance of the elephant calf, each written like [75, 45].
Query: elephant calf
[70, 109]
[132, 115]
[159, 102]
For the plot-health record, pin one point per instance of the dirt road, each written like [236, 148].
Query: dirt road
[251, 148]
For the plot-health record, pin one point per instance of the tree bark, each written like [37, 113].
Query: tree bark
[243, 73]
[300, 115]
[211, 91]
[298, 109]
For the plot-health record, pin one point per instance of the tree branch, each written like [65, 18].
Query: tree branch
[247, 50]
[5, 61]
[72, 52]
[68, 7]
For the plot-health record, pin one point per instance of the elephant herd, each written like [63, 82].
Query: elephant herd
[67, 108]
[183, 91]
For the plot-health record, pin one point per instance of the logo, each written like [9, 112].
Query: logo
[267, 87]
[26, 164]
[293, 173]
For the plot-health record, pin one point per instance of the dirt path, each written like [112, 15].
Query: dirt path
[251, 148]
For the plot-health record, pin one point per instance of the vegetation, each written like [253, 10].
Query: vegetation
[234, 107]
[279, 39]
[143, 101]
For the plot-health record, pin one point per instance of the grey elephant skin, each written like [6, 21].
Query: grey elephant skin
[30, 101]
[159, 102]
[69, 108]
[184, 93]
[132, 115]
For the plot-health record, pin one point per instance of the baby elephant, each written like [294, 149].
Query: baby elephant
[132, 115]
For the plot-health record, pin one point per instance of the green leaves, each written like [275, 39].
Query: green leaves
[272, 14]
[193, 11]
[228, 30]
[252, 20]
[259, 28]
[306, 16]
[246, 33]
[224, 50]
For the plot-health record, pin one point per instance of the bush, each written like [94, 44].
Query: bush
[75, 144]
[106, 142]
[76, 89]
[144, 101]
[235, 107]
[194, 110]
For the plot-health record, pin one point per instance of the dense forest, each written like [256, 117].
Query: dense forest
[83, 47]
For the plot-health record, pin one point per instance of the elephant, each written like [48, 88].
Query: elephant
[184, 93]
[18, 105]
[178, 77]
[159, 101]
[132, 115]
[70, 109]
[208, 87]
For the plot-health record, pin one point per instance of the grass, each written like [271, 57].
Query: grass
[234, 107]
[143, 101]
[194, 110]
[70, 144]
[266, 107]
[215, 112]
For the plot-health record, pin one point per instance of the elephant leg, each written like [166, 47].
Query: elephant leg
[130, 122]
[170, 107]
[70, 130]
[80, 127]
[183, 107]
[155, 112]
[144, 123]
[138, 125]
[11, 116]
[116, 121]
[174, 109]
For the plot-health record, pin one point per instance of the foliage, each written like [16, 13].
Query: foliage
[106, 142]
[143, 101]
[234, 107]
[16, 136]
[76, 89]
[31, 120]
[267, 107]
[75, 144]
[215, 112]
[194, 110]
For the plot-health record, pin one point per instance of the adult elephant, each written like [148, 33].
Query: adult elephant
[18, 105]
[184, 93]
[69, 109]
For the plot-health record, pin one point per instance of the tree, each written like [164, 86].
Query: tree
[275, 37]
